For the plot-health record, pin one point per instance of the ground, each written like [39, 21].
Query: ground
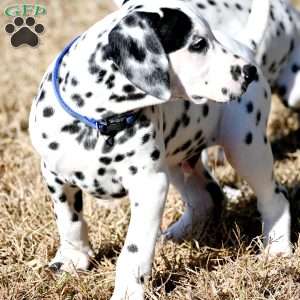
[224, 264]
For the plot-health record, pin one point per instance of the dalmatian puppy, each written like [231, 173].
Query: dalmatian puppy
[126, 75]
[277, 54]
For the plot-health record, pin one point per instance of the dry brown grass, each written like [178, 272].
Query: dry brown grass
[223, 265]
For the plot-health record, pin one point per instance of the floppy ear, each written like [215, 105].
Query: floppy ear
[137, 51]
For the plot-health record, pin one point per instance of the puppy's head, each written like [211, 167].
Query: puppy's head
[171, 53]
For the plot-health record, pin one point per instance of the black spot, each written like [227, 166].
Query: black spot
[135, 50]
[119, 157]
[201, 6]
[187, 105]
[74, 81]
[272, 14]
[48, 112]
[173, 132]
[144, 122]
[264, 59]
[79, 175]
[100, 76]
[131, 153]
[42, 95]
[185, 120]
[145, 138]
[133, 170]
[248, 138]
[71, 128]
[101, 171]
[224, 91]
[51, 189]
[130, 20]
[282, 26]
[258, 117]
[110, 81]
[100, 110]
[141, 280]
[58, 181]
[132, 248]
[53, 146]
[238, 6]
[211, 2]
[249, 107]
[129, 133]
[205, 110]
[184, 147]
[108, 145]
[295, 68]
[236, 72]
[198, 135]
[78, 100]
[292, 46]
[105, 160]
[128, 88]
[78, 201]
[75, 217]
[62, 198]
[89, 94]
[155, 154]
[44, 135]
[273, 67]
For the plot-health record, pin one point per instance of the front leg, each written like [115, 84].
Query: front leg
[147, 193]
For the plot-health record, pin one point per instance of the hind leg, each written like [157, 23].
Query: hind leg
[200, 192]
[249, 152]
[74, 251]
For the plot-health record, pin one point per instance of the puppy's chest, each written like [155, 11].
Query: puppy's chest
[189, 128]
[82, 156]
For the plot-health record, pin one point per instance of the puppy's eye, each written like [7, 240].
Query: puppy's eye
[200, 46]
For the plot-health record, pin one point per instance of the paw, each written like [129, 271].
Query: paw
[184, 229]
[278, 249]
[68, 259]
[130, 294]
[24, 33]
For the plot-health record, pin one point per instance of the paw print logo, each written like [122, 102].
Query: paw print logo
[24, 33]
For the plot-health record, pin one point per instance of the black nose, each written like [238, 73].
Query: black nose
[250, 72]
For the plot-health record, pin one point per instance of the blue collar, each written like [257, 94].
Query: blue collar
[109, 126]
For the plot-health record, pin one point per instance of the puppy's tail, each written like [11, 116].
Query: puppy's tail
[257, 24]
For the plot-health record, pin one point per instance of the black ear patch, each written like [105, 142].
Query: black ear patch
[174, 29]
